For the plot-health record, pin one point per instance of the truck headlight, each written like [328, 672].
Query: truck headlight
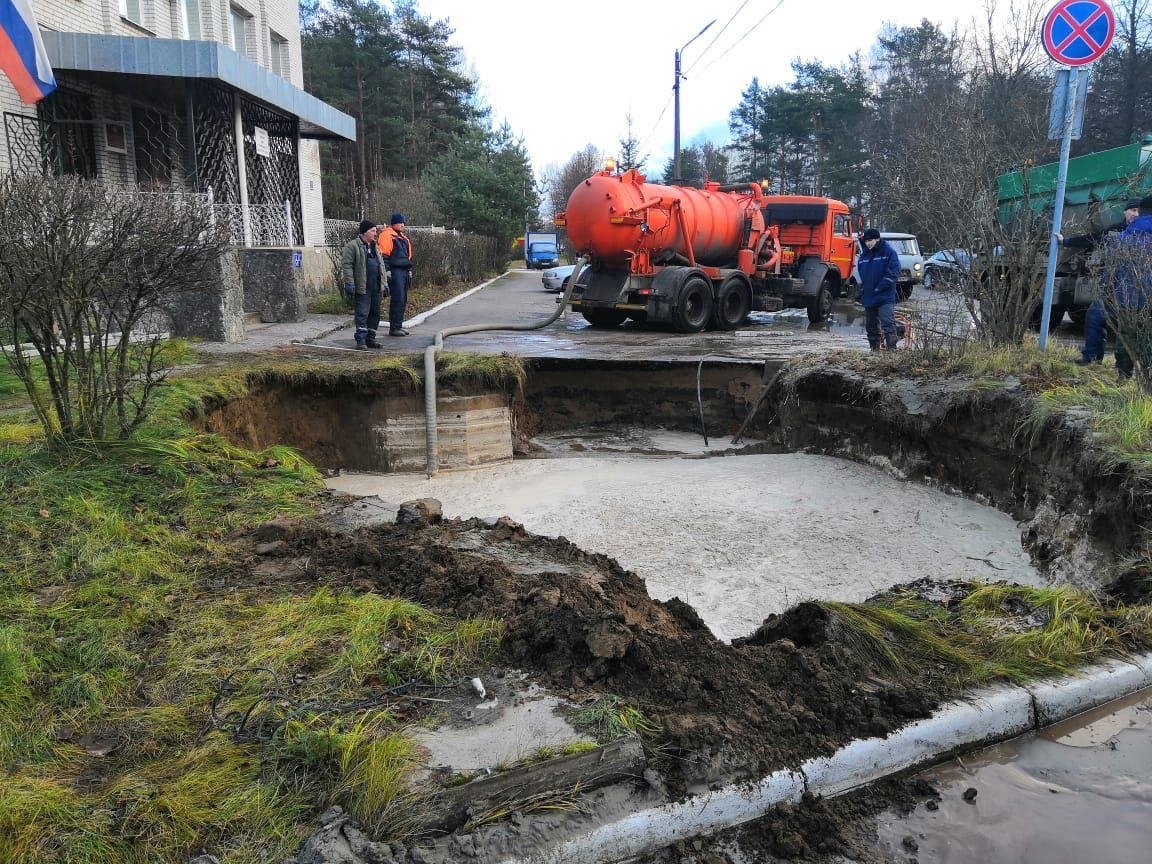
[916, 266]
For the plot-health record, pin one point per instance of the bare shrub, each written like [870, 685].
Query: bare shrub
[956, 199]
[467, 257]
[85, 269]
[440, 256]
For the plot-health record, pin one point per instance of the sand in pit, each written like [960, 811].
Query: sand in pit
[736, 537]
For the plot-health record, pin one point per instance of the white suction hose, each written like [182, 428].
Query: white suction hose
[433, 463]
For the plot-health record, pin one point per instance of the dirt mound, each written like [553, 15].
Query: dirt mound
[583, 623]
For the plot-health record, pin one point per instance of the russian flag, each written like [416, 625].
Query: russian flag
[22, 55]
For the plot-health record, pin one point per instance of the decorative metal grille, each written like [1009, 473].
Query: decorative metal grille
[213, 116]
[59, 140]
[267, 223]
[275, 178]
[160, 148]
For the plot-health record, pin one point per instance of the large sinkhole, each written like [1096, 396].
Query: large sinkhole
[613, 458]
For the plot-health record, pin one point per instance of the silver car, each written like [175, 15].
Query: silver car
[556, 278]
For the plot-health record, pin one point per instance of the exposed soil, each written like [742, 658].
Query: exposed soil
[1085, 514]
[582, 623]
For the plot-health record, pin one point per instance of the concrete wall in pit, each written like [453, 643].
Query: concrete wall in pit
[375, 431]
[562, 395]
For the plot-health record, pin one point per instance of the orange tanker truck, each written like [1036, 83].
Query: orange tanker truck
[703, 258]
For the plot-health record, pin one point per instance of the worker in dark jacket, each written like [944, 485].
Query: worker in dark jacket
[879, 268]
[396, 247]
[362, 270]
[1129, 266]
[1095, 321]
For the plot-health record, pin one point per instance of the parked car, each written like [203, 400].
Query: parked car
[556, 278]
[911, 262]
[947, 267]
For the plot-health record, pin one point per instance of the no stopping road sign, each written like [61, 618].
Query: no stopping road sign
[1078, 32]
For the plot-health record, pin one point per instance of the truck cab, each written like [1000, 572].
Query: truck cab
[817, 245]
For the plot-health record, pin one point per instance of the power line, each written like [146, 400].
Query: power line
[748, 33]
[655, 125]
[715, 38]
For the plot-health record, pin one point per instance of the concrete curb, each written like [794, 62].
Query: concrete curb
[986, 717]
[424, 316]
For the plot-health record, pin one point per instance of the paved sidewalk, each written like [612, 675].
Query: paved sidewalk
[264, 337]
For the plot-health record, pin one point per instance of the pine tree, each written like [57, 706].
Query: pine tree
[630, 156]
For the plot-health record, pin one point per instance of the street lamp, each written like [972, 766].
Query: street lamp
[676, 89]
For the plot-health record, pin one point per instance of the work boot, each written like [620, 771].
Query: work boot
[1088, 361]
[360, 346]
[400, 332]
[372, 343]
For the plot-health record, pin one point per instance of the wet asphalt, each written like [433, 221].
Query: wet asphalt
[519, 297]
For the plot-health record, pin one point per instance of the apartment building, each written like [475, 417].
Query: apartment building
[189, 96]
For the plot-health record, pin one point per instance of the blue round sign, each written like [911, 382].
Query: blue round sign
[1078, 32]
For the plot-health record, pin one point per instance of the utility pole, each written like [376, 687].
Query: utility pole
[676, 91]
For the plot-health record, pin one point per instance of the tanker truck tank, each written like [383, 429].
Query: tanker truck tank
[615, 218]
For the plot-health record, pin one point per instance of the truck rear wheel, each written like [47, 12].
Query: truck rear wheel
[733, 303]
[604, 317]
[820, 306]
[693, 307]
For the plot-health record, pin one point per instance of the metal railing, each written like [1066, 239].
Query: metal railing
[256, 224]
[337, 232]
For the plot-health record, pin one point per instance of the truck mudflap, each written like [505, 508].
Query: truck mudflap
[665, 292]
[812, 271]
[602, 288]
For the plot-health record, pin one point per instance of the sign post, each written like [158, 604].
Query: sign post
[1076, 33]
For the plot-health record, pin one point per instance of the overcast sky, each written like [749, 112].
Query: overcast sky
[565, 74]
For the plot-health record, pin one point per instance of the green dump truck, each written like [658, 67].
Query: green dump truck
[1097, 188]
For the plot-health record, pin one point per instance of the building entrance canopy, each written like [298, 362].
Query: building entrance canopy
[186, 59]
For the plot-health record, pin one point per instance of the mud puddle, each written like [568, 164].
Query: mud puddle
[737, 538]
[1079, 791]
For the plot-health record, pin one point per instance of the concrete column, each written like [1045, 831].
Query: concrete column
[242, 170]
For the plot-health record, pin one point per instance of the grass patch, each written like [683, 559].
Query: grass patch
[609, 718]
[110, 633]
[996, 632]
[1121, 414]
[548, 752]
[404, 373]
[465, 370]
[974, 360]
[329, 304]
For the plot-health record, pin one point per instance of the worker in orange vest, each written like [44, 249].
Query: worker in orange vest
[396, 250]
